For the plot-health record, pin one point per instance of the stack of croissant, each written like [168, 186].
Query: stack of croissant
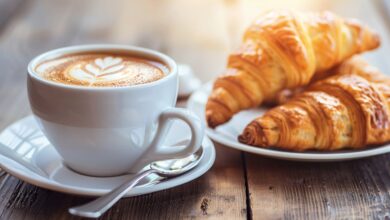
[328, 98]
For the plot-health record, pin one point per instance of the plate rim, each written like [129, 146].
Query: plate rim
[274, 153]
[26, 175]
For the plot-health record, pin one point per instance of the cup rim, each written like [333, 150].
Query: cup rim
[102, 47]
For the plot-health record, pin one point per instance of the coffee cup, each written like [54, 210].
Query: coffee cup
[110, 130]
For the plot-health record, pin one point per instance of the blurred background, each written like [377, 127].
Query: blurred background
[196, 32]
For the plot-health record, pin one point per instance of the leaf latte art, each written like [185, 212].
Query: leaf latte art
[101, 69]
[107, 67]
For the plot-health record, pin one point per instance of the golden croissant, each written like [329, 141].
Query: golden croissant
[283, 50]
[355, 65]
[348, 110]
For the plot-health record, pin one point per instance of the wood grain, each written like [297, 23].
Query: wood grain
[218, 194]
[345, 190]
[26, 35]
[297, 190]
[200, 33]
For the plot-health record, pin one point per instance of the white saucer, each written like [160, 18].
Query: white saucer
[227, 134]
[26, 154]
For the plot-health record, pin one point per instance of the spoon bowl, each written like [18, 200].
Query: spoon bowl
[170, 168]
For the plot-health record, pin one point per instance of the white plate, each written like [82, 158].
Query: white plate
[26, 154]
[227, 134]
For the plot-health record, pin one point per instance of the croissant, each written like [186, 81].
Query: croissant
[348, 110]
[355, 65]
[283, 50]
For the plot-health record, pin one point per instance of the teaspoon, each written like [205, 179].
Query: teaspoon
[166, 168]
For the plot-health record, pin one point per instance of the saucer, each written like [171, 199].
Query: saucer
[188, 82]
[26, 154]
[227, 134]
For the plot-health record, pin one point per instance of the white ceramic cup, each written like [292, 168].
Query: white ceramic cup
[107, 131]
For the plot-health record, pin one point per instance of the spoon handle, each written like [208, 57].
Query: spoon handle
[97, 207]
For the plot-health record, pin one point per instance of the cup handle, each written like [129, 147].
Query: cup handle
[156, 151]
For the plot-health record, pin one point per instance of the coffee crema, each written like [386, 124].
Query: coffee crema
[101, 70]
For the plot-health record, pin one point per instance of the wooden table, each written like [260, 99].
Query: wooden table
[200, 33]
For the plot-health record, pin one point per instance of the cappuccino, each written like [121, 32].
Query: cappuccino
[101, 70]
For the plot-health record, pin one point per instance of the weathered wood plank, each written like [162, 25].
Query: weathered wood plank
[218, 194]
[29, 33]
[297, 190]
[200, 33]
[344, 190]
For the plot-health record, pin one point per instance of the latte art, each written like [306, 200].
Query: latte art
[101, 70]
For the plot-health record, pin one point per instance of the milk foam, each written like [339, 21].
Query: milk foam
[101, 69]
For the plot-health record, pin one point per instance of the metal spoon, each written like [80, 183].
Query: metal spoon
[166, 168]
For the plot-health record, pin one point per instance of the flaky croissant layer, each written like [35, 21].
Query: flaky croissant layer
[283, 50]
[355, 65]
[348, 110]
